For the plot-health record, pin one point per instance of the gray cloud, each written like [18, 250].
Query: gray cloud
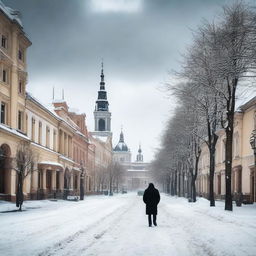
[138, 48]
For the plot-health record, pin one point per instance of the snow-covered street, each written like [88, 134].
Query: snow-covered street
[117, 225]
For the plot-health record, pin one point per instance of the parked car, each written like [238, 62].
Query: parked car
[140, 193]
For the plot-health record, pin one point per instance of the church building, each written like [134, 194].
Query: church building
[136, 176]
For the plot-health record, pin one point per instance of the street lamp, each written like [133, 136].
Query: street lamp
[253, 145]
[82, 178]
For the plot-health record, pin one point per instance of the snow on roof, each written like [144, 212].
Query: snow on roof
[58, 101]
[10, 13]
[50, 110]
[40, 146]
[67, 159]
[101, 138]
[76, 169]
[52, 163]
[13, 131]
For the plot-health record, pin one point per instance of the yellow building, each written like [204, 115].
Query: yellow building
[58, 137]
[13, 79]
[243, 172]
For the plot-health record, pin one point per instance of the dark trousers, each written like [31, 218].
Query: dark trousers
[150, 220]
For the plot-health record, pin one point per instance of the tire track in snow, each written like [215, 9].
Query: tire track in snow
[90, 235]
[200, 247]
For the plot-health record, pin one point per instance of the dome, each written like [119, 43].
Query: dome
[121, 146]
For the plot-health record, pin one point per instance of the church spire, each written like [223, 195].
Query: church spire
[121, 139]
[102, 102]
[139, 155]
[102, 116]
[102, 83]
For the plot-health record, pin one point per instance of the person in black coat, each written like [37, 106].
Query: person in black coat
[151, 198]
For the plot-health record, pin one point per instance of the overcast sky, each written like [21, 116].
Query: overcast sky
[139, 40]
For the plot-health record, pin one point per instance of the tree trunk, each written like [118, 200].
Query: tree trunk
[193, 189]
[228, 168]
[168, 184]
[175, 183]
[212, 170]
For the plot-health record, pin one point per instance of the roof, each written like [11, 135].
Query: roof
[121, 146]
[13, 15]
[101, 138]
[13, 131]
[51, 163]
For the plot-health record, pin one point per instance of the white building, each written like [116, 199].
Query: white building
[137, 176]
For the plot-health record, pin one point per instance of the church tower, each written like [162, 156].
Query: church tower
[102, 116]
[122, 153]
[139, 157]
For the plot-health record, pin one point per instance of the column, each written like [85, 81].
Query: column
[44, 179]
[53, 180]
[13, 76]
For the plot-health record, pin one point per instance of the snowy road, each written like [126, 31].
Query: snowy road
[118, 226]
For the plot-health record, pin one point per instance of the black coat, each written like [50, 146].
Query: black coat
[151, 198]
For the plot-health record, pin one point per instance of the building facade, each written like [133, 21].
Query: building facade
[66, 154]
[243, 172]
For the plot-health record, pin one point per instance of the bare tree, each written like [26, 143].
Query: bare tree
[118, 173]
[25, 165]
[100, 178]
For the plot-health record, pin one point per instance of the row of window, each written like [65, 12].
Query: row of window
[236, 182]
[78, 155]
[40, 134]
[5, 45]
[5, 77]
[3, 117]
[220, 155]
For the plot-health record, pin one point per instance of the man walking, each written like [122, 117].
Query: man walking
[151, 198]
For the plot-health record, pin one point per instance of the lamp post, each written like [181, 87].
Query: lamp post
[82, 181]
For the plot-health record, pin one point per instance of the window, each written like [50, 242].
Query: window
[47, 137]
[5, 75]
[3, 113]
[54, 141]
[4, 41]
[20, 120]
[20, 87]
[40, 133]
[26, 124]
[101, 125]
[20, 54]
[33, 129]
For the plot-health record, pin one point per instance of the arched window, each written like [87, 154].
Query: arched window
[102, 125]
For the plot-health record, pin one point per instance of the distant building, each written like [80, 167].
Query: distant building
[121, 152]
[136, 176]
